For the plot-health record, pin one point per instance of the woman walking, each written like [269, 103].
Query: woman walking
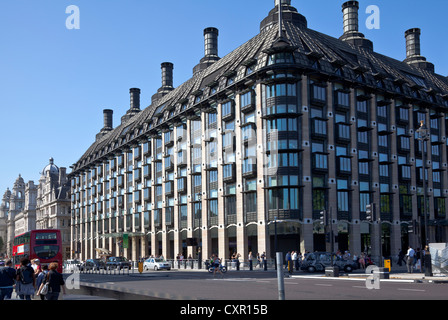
[55, 282]
[26, 280]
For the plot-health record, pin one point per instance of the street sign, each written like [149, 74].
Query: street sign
[125, 241]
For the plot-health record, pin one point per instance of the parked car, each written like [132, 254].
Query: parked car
[92, 264]
[118, 263]
[318, 261]
[156, 264]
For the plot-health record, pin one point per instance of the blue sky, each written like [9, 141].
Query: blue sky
[55, 82]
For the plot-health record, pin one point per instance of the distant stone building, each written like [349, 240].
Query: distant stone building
[29, 206]
[17, 212]
[53, 203]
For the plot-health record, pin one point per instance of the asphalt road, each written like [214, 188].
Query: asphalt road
[258, 285]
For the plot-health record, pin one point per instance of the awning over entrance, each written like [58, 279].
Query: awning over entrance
[103, 251]
[120, 234]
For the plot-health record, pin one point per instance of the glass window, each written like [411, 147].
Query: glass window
[246, 99]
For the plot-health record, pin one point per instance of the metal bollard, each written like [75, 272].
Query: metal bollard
[280, 279]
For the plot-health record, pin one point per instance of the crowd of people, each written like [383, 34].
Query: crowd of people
[413, 259]
[31, 279]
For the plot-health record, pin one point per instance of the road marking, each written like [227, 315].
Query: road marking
[360, 287]
[416, 290]
[323, 285]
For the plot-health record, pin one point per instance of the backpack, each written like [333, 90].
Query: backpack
[26, 275]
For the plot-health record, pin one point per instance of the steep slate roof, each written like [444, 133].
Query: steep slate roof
[310, 45]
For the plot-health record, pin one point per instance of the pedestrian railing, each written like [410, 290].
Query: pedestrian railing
[185, 264]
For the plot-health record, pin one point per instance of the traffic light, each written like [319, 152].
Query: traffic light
[411, 227]
[323, 217]
[328, 237]
[370, 212]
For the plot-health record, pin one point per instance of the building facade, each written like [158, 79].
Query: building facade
[250, 152]
[53, 203]
[44, 206]
[17, 212]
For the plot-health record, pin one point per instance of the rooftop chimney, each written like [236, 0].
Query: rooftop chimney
[351, 26]
[210, 50]
[135, 99]
[108, 117]
[134, 105]
[167, 75]
[167, 82]
[413, 50]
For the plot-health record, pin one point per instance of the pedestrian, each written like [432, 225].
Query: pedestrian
[410, 259]
[401, 257]
[288, 261]
[250, 258]
[7, 280]
[265, 261]
[26, 280]
[40, 280]
[258, 260]
[294, 260]
[362, 260]
[216, 264]
[418, 260]
[55, 282]
[37, 267]
[299, 260]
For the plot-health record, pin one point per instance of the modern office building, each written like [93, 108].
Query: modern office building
[248, 153]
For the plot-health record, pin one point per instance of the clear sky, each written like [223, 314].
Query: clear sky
[55, 82]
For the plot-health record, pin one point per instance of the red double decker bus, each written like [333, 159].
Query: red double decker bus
[45, 245]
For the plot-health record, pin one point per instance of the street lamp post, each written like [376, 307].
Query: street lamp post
[423, 137]
[275, 241]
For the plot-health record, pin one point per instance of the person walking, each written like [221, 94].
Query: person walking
[294, 260]
[26, 280]
[40, 279]
[250, 258]
[401, 258]
[410, 259]
[55, 282]
[418, 260]
[288, 261]
[264, 261]
[7, 280]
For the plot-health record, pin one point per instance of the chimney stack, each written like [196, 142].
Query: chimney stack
[413, 43]
[108, 119]
[135, 98]
[351, 20]
[167, 75]
[351, 34]
[211, 42]
[210, 50]
[413, 50]
[167, 82]
[108, 126]
[134, 105]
